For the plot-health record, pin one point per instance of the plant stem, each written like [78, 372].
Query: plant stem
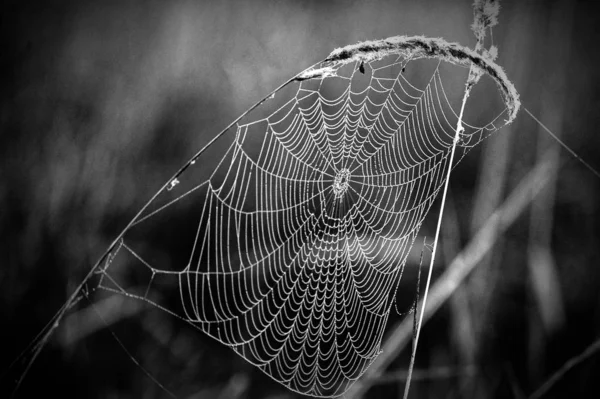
[458, 131]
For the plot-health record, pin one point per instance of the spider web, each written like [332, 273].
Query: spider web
[288, 241]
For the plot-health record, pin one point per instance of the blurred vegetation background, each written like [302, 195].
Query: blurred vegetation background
[102, 101]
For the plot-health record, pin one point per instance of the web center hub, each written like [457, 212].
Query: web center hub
[341, 183]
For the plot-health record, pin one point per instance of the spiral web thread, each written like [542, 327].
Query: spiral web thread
[295, 242]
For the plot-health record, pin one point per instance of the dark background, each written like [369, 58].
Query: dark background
[102, 101]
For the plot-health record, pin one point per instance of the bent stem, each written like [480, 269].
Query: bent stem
[40, 341]
[459, 129]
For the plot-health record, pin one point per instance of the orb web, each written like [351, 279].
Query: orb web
[287, 239]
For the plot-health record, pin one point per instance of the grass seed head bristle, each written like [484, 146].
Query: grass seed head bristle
[491, 53]
[485, 16]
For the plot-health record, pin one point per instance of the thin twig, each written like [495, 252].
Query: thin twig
[568, 366]
[457, 133]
